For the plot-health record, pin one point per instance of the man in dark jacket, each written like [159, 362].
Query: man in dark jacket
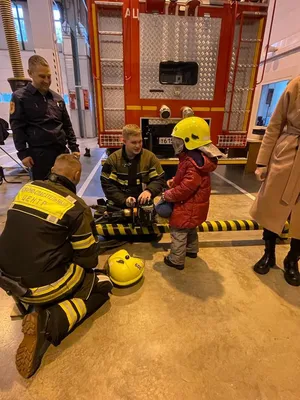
[132, 174]
[49, 245]
[40, 122]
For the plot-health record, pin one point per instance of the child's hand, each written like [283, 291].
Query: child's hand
[170, 182]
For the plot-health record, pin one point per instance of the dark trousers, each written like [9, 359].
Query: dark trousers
[295, 243]
[44, 159]
[68, 301]
[68, 314]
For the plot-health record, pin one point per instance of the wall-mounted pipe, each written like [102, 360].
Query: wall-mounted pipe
[19, 79]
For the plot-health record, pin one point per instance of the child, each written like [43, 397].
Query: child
[190, 189]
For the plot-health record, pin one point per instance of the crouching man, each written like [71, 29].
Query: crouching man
[132, 174]
[49, 246]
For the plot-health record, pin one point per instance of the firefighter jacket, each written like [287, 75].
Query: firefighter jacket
[48, 228]
[40, 121]
[122, 177]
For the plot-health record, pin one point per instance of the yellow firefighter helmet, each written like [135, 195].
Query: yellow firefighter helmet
[194, 131]
[125, 270]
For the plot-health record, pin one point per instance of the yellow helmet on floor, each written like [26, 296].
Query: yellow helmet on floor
[194, 131]
[123, 269]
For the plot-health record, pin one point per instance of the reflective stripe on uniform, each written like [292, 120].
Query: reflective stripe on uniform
[84, 243]
[45, 294]
[80, 307]
[71, 315]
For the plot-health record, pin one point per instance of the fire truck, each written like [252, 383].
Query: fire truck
[157, 61]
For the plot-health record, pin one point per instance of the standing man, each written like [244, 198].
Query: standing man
[278, 167]
[132, 174]
[40, 122]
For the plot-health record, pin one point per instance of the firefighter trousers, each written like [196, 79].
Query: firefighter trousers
[67, 302]
[183, 241]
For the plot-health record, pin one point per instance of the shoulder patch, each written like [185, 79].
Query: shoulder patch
[12, 107]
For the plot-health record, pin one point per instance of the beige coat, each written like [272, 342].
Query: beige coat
[278, 197]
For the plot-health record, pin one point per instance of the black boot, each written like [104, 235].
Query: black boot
[268, 260]
[291, 271]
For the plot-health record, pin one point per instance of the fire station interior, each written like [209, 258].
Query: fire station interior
[215, 330]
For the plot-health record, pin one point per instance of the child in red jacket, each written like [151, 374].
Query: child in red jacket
[190, 189]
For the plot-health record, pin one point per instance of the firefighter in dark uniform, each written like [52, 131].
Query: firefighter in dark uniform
[40, 122]
[49, 246]
[132, 175]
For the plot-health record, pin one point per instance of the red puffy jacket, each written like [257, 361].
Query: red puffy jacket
[191, 189]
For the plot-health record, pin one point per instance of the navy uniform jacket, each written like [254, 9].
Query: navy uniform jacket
[40, 121]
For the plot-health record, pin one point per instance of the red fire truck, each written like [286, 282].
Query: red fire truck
[155, 61]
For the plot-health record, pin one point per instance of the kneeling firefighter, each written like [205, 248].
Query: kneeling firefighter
[55, 236]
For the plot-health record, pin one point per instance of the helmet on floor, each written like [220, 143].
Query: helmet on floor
[123, 269]
[194, 131]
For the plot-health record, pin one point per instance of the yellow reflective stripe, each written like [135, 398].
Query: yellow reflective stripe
[214, 225]
[110, 229]
[70, 313]
[113, 176]
[224, 226]
[80, 307]
[205, 227]
[242, 224]
[84, 244]
[49, 288]
[145, 230]
[149, 108]
[52, 296]
[133, 108]
[233, 225]
[121, 229]
[153, 174]
[43, 200]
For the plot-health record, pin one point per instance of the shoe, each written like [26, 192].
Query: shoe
[169, 263]
[268, 260]
[291, 271]
[34, 344]
[191, 255]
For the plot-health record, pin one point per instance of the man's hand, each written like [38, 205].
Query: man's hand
[144, 197]
[261, 173]
[28, 162]
[170, 182]
[130, 202]
[76, 154]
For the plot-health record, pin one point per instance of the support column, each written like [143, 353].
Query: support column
[44, 38]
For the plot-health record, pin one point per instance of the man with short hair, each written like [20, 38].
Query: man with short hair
[132, 174]
[49, 246]
[40, 122]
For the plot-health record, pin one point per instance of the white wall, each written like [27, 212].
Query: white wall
[285, 62]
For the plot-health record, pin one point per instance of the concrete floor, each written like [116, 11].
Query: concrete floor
[214, 331]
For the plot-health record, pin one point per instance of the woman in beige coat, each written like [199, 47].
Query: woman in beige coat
[278, 167]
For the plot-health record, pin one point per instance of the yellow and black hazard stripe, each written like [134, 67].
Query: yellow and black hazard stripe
[84, 241]
[207, 226]
[57, 290]
[75, 310]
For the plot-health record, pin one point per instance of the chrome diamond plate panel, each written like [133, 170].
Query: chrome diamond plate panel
[114, 119]
[174, 38]
[112, 72]
[111, 47]
[110, 19]
[113, 97]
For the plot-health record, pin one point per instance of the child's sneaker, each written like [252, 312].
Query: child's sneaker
[169, 263]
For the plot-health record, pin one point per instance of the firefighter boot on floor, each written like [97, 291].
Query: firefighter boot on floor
[268, 260]
[291, 271]
[34, 344]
